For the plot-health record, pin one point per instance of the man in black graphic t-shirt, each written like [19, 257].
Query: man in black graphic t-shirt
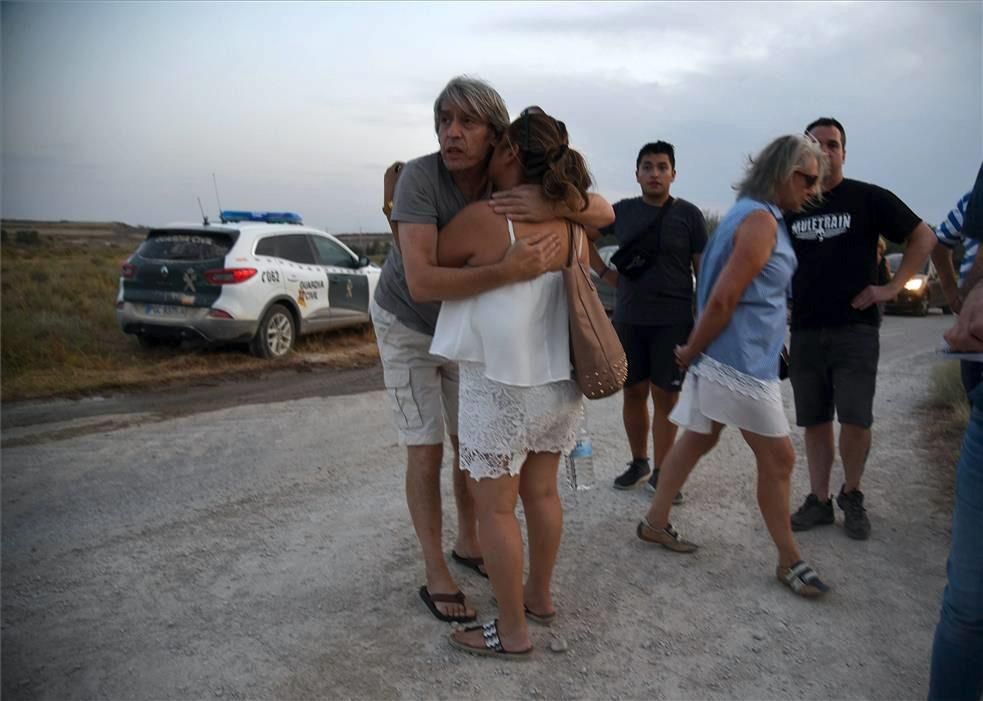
[835, 323]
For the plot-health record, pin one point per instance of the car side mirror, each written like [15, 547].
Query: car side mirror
[363, 261]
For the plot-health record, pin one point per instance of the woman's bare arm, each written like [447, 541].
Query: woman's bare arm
[527, 203]
[435, 263]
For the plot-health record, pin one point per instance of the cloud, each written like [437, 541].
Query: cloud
[123, 111]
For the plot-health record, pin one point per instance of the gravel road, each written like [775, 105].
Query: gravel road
[259, 547]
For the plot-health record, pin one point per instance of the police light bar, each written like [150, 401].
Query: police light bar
[232, 215]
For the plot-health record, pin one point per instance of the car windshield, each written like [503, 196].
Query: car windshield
[186, 245]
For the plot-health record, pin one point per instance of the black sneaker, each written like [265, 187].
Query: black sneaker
[654, 483]
[855, 521]
[813, 513]
[638, 470]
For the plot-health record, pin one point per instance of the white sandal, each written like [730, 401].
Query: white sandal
[802, 579]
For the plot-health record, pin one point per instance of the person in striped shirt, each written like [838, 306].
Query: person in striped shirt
[956, 672]
[949, 234]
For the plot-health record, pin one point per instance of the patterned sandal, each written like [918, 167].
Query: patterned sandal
[493, 645]
[802, 579]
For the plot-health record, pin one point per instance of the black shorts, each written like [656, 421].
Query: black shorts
[834, 368]
[650, 351]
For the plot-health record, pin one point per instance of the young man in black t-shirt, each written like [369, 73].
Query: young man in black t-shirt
[654, 311]
[835, 323]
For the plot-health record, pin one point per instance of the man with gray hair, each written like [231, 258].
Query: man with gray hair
[469, 118]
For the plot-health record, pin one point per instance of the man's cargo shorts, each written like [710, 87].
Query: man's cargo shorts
[422, 387]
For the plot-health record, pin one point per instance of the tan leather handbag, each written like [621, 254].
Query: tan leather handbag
[599, 362]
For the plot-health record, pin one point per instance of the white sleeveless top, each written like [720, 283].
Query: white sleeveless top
[519, 332]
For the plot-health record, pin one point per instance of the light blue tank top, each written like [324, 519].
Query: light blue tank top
[753, 339]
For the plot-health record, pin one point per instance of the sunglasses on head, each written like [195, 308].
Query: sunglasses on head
[535, 109]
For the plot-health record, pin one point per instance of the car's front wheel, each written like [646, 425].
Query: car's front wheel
[922, 307]
[275, 336]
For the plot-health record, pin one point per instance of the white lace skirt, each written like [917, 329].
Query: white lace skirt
[714, 391]
[499, 425]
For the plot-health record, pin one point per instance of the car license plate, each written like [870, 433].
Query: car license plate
[165, 310]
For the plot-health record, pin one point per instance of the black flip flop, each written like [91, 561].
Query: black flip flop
[457, 598]
[543, 619]
[472, 563]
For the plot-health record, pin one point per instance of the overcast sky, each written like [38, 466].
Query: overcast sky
[116, 111]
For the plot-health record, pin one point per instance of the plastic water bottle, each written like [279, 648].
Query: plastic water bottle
[580, 462]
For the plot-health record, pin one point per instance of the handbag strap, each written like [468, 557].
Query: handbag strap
[570, 248]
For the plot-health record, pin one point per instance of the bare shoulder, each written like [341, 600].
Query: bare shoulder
[525, 230]
[476, 214]
[759, 224]
[475, 235]
[760, 219]
[755, 237]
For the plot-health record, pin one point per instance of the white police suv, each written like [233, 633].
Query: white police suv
[258, 277]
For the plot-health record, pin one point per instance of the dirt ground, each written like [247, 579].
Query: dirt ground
[262, 549]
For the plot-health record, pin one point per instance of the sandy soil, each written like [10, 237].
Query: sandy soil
[263, 550]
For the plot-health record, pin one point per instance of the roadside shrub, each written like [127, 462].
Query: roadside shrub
[28, 237]
[378, 248]
[712, 219]
[948, 392]
[946, 416]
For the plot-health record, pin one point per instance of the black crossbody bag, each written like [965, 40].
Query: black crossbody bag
[638, 256]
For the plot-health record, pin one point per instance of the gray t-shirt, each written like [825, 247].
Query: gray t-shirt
[425, 194]
[664, 293]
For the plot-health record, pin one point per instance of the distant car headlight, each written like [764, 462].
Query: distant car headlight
[914, 284]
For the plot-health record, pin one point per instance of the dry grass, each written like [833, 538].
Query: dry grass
[949, 394]
[946, 414]
[60, 335]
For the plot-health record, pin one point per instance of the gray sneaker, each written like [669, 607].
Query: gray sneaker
[653, 483]
[813, 513]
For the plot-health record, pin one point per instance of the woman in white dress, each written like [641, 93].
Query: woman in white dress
[519, 407]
